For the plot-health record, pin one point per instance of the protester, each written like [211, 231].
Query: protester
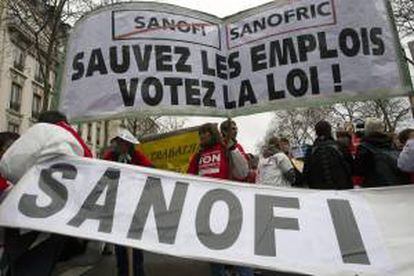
[123, 150]
[327, 166]
[51, 137]
[223, 161]
[406, 157]
[284, 145]
[344, 141]
[228, 130]
[34, 253]
[376, 159]
[275, 168]
[356, 133]
[297, 164]
[6, 139]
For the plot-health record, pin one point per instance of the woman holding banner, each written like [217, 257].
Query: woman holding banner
[124, 151]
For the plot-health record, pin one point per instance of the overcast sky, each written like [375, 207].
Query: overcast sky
[252, 128]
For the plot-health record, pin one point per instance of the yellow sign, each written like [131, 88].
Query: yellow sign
[172, 151]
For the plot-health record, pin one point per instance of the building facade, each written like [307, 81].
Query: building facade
[22, 87]
[22, 84]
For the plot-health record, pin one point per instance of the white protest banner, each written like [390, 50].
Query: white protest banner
[357, 232]
[162, 59]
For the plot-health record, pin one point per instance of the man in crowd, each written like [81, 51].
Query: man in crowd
[406, 157]
[275, 168]
[203, 164]
[327, 166]
[376, 158]
[124, 150]
[228, 131]
[6, 139]
[49, 138]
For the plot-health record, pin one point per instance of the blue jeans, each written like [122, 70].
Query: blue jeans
[122, 261]
[219, 270]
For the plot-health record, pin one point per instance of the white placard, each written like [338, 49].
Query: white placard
[157, 58]
[310, 231]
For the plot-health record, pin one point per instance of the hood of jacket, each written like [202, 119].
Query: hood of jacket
[379, 140]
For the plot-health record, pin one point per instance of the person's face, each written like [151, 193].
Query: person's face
[349, 127]
[205, 137]
[122, 146]
[232, 132]
[285, 147]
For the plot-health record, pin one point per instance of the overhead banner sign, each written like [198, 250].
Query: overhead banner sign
[171, 151]
[162, 59]
[353, 232]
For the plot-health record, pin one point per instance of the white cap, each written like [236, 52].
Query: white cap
[125, 135]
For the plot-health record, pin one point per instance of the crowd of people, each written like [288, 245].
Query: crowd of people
[353, 159]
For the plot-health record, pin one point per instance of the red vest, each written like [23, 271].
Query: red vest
[210, 162]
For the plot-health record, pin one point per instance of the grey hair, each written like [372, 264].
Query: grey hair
[374, 125]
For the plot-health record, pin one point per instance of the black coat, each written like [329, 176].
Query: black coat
[328, 166]
[367, 166]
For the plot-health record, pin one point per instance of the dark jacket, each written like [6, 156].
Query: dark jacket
[376, 162]
[328, 166]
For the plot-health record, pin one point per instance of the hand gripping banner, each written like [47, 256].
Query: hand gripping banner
[355, 232]
[157, 58]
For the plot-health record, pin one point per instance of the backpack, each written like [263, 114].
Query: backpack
[328, 168]
[385, 171]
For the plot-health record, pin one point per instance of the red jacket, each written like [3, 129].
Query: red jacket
[138, 158]
[210, 162]
[3, 184]
[251, 177]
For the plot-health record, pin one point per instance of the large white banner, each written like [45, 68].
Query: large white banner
[162, 59]
[356, 232]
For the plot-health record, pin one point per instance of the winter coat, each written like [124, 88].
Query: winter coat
[375, 164]
[39, 143]
[274, 169]
[328, 166]
[211, 162]
[406, 159]
[218, 162]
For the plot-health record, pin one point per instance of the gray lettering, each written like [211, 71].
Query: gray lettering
[266, 222]
[104, 213]
[347, 232]
[166, 219]
[53, 188]
[231, 233]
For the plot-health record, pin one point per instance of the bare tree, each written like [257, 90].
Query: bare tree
[297, 124]
[404, 16]
[45, 25]
[145, 125]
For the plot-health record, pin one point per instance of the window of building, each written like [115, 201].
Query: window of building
[18, 58]
[13, 127]
[36, 104]
[15, 97]
[39, 70]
